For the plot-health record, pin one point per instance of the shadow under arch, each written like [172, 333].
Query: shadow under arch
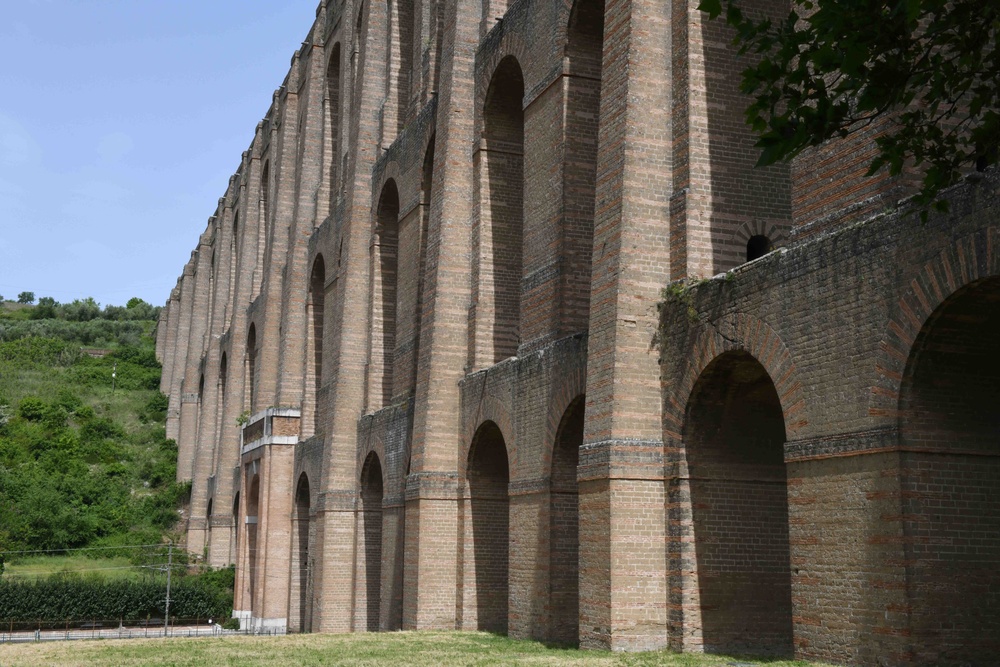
[949, 435]
[371, 542]
[488, 477]
[301, 545]
[564, 527]
[734, 436]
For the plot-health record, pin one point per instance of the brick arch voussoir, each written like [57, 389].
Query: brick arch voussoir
[970, 258]
[372, 445]
[494, 410]
[313, 491]
[755, 227]
[389, 172]
[754, 336]
[510, 45]
[567, 389]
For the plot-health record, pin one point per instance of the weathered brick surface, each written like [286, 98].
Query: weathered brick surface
[427, 369]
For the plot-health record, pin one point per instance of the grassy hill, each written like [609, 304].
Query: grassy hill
[84, 461]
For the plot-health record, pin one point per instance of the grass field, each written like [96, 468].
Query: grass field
[419, 649]
[35, 567]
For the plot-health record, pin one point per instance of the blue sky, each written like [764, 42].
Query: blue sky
[120, 124]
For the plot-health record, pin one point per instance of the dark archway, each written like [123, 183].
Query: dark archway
[734, 440]
[251, 368]
[502, 210]
[236, 529]
[584, 51]
[564, 528]
[385, 267]
[315, 306]
[949, 430]
[488, 477]
[301, 561]
[253, 504]
[757, 246]
[333, 123]
[371, 533]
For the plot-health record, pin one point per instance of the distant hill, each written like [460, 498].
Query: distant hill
[84, 460]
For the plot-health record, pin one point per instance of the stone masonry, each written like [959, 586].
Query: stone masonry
[497, 327]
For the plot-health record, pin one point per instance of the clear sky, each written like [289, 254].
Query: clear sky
[120, 124]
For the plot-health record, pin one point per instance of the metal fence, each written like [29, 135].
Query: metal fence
[48, 631]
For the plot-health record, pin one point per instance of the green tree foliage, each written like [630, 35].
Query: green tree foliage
[80, 465]
[26, 297]
[930, 68]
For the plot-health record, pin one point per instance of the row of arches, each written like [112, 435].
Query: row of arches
[733, 442]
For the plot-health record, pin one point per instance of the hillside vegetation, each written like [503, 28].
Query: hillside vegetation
[84, 460]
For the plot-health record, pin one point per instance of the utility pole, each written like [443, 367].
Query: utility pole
[170, 563]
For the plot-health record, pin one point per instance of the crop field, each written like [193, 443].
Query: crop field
[398, 649]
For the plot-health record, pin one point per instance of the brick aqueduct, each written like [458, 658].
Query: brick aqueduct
[440, 360]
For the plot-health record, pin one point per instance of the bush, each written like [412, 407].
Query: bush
[72, 598]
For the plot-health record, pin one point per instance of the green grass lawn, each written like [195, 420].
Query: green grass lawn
[35, 567]
[430, 649]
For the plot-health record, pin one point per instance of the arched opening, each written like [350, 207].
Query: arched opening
[223, 378]
[234, 261]
[501, 253]
[758, 246]
[301, 561]
[236, 528]
[369, 603]
[263, 227]
[734, 439]
[949, 430]
[385, 266]
[399, 50]
[253, 502]
[584, 51]
[201, 386]
[251, 367]
[488, 477]
[333, 123]
[315, 307]
[564, 527]
[208, 510]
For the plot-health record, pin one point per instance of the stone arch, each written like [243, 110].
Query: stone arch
[491, 409]
[399, 53]
[583, 69]
[486, 532]
[251, 367]
[369, 593]
[301, 590]
[756, 337]
[315, 313]
[774, 233]
[949, 440]
[499, 258]
[564, 526]
[236, 528]
[333, 122]
[966, 260]
[252, 517]
[385, 269]
[733, 439]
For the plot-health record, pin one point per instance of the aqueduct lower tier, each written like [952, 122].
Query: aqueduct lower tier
[828, 485]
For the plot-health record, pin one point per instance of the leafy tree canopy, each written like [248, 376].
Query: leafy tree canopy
[832, 67]
[26, 297]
